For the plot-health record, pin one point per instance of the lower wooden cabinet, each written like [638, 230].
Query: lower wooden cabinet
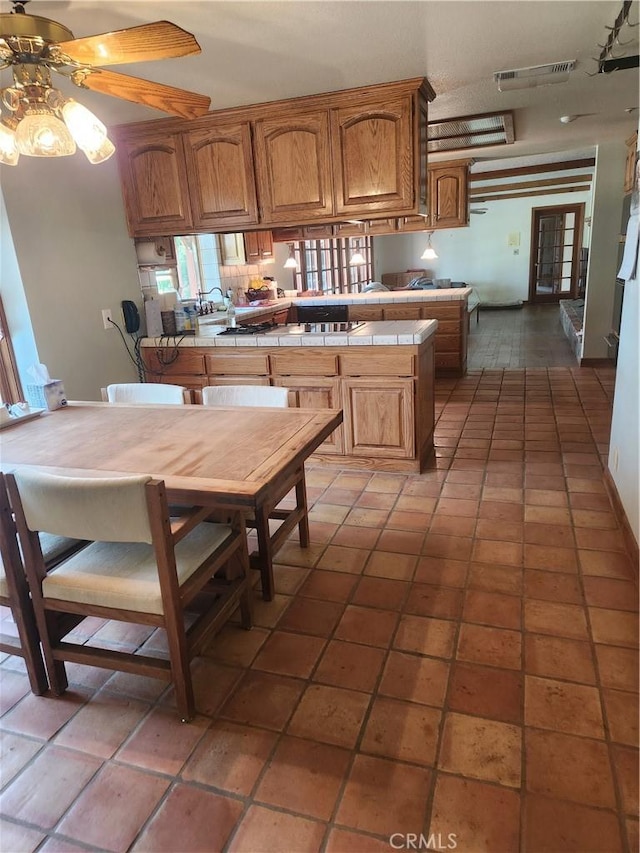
[451, 334]
[386, 393]
[379, 417]
[319, 392]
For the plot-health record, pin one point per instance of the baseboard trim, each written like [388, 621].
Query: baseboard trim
[597, 362]
[629, 538]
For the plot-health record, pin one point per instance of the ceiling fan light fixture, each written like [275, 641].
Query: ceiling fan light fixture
[42, 134]
[9, 154]
[87, 130]
[429, 253]
[291, 263]
[102, 153]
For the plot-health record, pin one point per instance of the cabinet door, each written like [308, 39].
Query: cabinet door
[221, 180]
[378, 417]
[382, 226]
[258, 246]
[154, 184]
[414, 223]
[316, 393]
[401, 312]
[293, 167]
[373, 157]
[364, 312]
[231, 249]
[448, 206]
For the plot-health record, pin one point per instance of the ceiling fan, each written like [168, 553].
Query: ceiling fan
[34, 47]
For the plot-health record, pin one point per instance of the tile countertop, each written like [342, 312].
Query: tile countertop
[251, 312]
[382, 333]
[375, 297]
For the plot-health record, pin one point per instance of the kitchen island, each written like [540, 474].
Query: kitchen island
[449, 306]
[380, 374]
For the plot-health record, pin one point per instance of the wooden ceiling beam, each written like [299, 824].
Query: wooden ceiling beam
[524, 185]
[579, 189]
[533, 170]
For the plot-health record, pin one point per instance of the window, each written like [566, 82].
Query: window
[324, 264]
[10, 388]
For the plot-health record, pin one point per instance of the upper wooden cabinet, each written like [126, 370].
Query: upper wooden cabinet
[219, 168]
[258, 246]
[293, 167]
[358, 153]
[373, 157]
[154, 184]
[448, 195]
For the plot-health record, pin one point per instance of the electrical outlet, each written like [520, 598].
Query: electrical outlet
[107, 318]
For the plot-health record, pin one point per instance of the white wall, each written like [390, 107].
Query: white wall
[623, 463]
[479, 254]
[74, 258]
[605, 229]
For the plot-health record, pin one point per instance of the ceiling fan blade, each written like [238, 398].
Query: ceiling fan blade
[159, 40]
[177, 102]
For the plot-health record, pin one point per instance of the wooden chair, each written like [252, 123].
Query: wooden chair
[141, 566]
[14, 591]
[14, 594]
[268, 542]
[146, 392]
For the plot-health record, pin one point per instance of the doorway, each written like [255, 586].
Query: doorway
[556, 241]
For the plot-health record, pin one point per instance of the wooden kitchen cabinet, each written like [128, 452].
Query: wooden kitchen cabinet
[258, 246]
[339, 155]
[231, 249]
[366, 313]
[448, 195]
[154, 184]
[379, 417]
[318, 392]
[219, 165]
[373, 156]
[293, 166]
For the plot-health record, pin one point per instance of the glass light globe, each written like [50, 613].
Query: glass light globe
[429, 254]
[9, 154]
[99, 155]
[41, 134]
[87, 130]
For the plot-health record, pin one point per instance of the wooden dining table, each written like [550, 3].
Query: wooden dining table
[226, 458]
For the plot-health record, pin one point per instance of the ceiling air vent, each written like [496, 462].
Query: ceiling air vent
[535, 75]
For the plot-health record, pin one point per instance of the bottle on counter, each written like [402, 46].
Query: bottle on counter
[231, 311]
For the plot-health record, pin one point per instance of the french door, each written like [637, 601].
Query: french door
[556, 240]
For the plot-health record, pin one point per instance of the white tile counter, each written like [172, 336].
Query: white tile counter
[382, 333]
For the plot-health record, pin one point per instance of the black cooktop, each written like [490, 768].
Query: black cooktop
[253, 329]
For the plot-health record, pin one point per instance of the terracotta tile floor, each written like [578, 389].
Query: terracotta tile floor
[456, 653]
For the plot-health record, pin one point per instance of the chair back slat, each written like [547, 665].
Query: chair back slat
[245, 395]
[146, 392]
[104, 509]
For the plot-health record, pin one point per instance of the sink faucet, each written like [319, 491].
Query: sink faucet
[202, 293]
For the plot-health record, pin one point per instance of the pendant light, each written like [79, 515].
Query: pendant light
[429, 253]
[357, 258]
[291, 263]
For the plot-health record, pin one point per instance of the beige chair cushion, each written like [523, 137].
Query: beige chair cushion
[245, 395]
[125, 575]
[54, 547]
[146, 392]
[108, 509]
